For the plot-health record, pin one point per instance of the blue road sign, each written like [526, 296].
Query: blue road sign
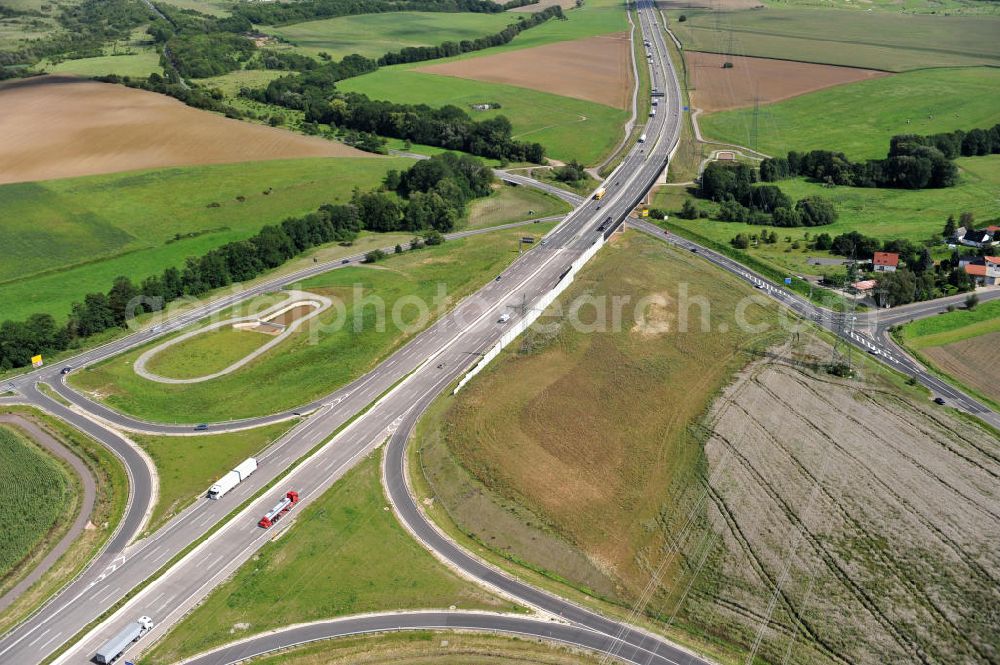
[788, 280]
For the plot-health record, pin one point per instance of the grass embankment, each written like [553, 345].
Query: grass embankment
[513, 204]
[858, 119]
[435, 648]
[188, 465]
[874, 40]
[883, 213]
[373, 35]
[325, 353]
[568, 128]
[39, 498]
[83, 232]
[346, 554]
[207, 353]
[963, 346]
[109, 506]
[549, 458]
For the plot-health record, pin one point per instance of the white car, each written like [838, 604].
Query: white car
[504, 318]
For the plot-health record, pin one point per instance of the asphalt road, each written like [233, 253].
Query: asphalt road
[450, 346]
[515, 626]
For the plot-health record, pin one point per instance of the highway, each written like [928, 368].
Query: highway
[413, 375]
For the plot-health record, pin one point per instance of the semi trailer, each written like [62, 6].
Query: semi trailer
[280, 510]
[130, 634]
[242, 471]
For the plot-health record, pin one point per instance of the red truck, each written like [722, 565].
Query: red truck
[279, 510]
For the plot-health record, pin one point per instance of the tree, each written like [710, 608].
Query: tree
[374, 256]
[823, 241]
[971, 301]
[967, 219]
[740, 241]
[816, 211]
[949, 227]
[399, 249]
[120, 298]
[688, 210]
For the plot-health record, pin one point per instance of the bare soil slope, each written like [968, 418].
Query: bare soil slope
[58, 127]
[718, 89]
[975, 362]
[597, 69]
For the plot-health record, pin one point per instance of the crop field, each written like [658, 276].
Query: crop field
[213, 7]
[138, 65]
[759, 80]
[568, 128]
[30, 532]
[882, 213]
[859, 119]
[431, 648]
[324, 567]
[512, 204]
[231, 83]
[326, 353]
[63, 127]
[597, 69]
[188, 465]
[372, 35]
[83, 232]
[963, 344]
[872, 40]
[853, 524]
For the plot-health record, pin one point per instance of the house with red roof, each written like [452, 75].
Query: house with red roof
[985, 271]
[885, 261]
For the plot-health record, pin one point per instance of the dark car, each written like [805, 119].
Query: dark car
[200, 428]
[66, 370]
[345, 261]
[939, 400]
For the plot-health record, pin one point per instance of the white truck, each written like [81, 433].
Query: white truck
[233, 478]
[131, 633]
[642, 139]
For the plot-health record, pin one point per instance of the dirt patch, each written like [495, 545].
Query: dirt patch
[713, 5]
[293, 314]
[714, 88]
[975, 362]
[545, 4]
[597, 69]
[59, 127]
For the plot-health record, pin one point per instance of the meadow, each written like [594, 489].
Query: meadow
[873, 40]
[952, 327]
[512, 204]
[29, 533]
[299, 369]
[207, 353]
[881, 213]
[323, 566]
[568, 128]
[860, 118]
[137, 65]
[188, 465]
[66, 238]
[373, 35]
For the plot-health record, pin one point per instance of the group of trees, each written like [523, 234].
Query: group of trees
[429, 198]
[84, 29]
[210, 54]
[913, 162]
[742, 200]
[448, 49]
[281, 13]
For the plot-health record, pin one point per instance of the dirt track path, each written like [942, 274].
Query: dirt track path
[51, 444]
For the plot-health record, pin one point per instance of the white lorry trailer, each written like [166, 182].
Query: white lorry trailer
[131, 633]
[233, 478]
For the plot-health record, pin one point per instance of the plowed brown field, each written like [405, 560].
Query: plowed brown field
[715, 89]
[597, 69]
[975, 362]
[58, 127]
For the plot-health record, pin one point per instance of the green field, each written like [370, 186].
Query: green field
[372, 35]
[953, 326]
[188, 465]
[309, 365]
[882, 213]
[138, 65]
[213, 7]
[512, 204]
[568, 128]
[860, 118]
[207, 353]
[345, 554]
[86, 231]
[30, 533]
[875, 40]
[231, 83]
